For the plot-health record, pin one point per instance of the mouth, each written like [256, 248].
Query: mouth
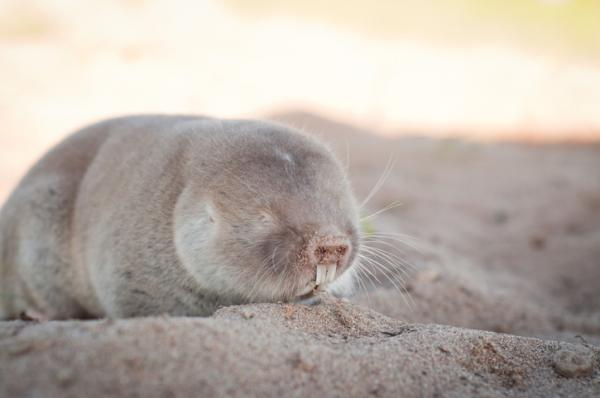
[325, 274]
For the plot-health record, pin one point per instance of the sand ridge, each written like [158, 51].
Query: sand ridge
[332, 349]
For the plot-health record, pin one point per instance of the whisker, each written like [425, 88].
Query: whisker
[284, 278]
[384, 176]
[273, 258]
[384, 271]
[395, 270]
[281, 280]
[396, 276]
[406, 297]
[253, 294]
[360, 275]
[390, 206]
[398, 273]
[370, 273]
[370, 277]
[401, 239]
[399, 259]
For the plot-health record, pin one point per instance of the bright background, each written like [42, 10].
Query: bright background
[491, 69]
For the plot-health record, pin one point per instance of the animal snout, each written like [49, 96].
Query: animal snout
[329, 249]
[328, 255]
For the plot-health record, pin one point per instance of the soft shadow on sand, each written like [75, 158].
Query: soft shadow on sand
[509, 239]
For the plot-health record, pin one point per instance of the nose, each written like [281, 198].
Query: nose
[330, 253]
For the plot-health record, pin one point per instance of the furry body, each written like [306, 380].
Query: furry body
[159, 214]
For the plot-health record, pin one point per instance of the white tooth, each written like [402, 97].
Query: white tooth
[331, 272]
[321, 272]
[307, 289]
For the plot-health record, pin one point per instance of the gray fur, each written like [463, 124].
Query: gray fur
[145, 215]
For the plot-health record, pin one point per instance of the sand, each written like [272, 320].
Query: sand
[503, 299]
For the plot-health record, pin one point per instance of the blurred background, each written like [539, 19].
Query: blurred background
[490, 69]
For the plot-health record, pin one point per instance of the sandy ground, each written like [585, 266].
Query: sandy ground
[503, 299]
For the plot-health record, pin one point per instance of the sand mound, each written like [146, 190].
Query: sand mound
[333, 349]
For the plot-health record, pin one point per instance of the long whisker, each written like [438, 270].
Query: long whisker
[360, 275]
[395, 270]
[385, 271]
[401, 237]
[384, 176]
[390, 206]
[369, 272]
[396, 276]
[404, 239]
[372, 278]
[405, 296]
[399, 259]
